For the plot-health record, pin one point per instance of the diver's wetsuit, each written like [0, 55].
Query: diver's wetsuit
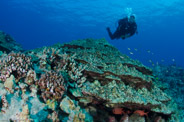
[124, 28]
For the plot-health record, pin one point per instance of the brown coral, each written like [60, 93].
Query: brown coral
[51, 86]
[17, 64]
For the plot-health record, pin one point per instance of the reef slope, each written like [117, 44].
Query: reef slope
[84, 80]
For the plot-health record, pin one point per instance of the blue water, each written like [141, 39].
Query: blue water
[37, 23]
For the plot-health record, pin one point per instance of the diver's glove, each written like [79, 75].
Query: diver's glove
[108, 29]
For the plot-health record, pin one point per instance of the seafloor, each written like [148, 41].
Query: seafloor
[84, 81]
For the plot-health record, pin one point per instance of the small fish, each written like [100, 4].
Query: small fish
[157, 63]
[162, 60]
[121, 57]
[118, 111]
[173, 60]
[152, 53]
[129, 49]
[148, 51]
[150, 61]
[135, 49]
[131, 53]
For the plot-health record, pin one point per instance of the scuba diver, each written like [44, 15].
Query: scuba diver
[126, 28]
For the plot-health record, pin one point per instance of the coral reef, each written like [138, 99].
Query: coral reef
[7, 43]
[171, 80]
[84, 80]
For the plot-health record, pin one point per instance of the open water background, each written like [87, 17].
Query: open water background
[37, 23]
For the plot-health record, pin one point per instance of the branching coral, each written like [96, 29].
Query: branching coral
[51, 86]
[4, 103]
[17, 64]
